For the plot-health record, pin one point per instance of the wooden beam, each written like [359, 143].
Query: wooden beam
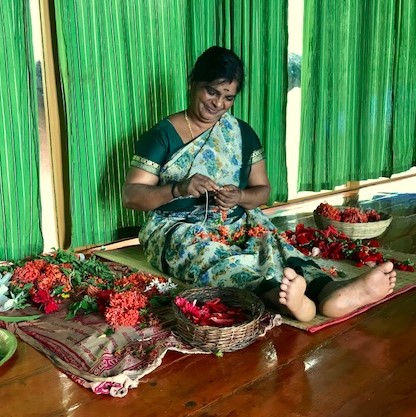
[55, 125]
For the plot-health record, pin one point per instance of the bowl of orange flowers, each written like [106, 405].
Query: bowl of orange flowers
[352, 221]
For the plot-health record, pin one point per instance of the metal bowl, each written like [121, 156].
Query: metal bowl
[8, 345]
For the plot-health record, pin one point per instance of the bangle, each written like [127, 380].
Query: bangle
[172, 190]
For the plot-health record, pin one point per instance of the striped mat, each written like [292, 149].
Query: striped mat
[133, 257]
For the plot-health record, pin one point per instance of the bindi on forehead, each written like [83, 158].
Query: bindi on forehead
[224, 86]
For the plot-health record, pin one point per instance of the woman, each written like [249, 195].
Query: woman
[200, 174]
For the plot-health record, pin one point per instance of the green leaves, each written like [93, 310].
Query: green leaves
[158, 301]
[86, 305]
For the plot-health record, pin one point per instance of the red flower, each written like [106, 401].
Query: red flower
[303, 239]
[211, 313]
[103, 299]
[222, 234]
[122, 308]
[326, 210]
[131, 299]
[187, 307]
[51, 306]
[122, 317]
[46, 300]
[347, 214]
[331, 244]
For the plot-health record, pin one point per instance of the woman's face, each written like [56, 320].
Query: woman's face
[209, 101]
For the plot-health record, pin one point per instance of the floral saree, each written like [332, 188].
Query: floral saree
[185, 238]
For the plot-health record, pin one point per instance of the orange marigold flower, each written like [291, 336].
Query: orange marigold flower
[239, 234]
[128, 299]
[137, 280]
[223, 230]
[257, 231]
[224, 215]
[26, 274]
[122, 317]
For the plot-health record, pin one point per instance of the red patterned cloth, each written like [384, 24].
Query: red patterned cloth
[106, 363]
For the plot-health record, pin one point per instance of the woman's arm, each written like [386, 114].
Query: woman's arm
[258, 187]
[142, 192]
[256, 193]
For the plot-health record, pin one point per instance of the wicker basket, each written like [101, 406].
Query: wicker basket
[221, 339]
[356, 230]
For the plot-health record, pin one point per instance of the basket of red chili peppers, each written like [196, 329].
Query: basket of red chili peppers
[352, 221]
[218, 319]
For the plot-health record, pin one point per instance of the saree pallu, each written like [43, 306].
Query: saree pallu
[183, 238]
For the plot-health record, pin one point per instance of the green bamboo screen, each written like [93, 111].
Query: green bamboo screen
[123, 67]
[19, 143]
[358, 91]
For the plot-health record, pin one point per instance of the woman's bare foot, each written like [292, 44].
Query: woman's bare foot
[340, 298]
[292, 296]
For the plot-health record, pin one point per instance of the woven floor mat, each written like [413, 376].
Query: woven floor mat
[133, 257]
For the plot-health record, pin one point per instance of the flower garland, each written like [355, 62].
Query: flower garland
[223, 235]
[89, 284]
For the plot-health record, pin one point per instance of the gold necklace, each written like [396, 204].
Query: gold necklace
[189, 125]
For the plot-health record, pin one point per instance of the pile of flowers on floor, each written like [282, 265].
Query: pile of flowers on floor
[328, 243]
[88, 285]
[332, 244]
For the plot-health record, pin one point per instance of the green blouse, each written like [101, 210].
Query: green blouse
[162, 141]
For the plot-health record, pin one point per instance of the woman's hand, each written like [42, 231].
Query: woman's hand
[196, 186]
[228, 196]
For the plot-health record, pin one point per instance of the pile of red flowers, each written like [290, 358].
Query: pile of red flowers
[328, 244]
[90, 285]
[127, 301]
[332, 244]
[347, 214]
[46, 284]
[211, 313]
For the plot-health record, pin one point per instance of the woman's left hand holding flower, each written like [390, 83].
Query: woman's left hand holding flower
[228, 197]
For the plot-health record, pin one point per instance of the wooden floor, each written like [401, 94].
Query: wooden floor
[363, 367]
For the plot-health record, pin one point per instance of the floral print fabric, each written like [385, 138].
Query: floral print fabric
[201, 261]
[216, 153]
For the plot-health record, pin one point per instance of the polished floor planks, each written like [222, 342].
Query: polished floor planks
[364, 367]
